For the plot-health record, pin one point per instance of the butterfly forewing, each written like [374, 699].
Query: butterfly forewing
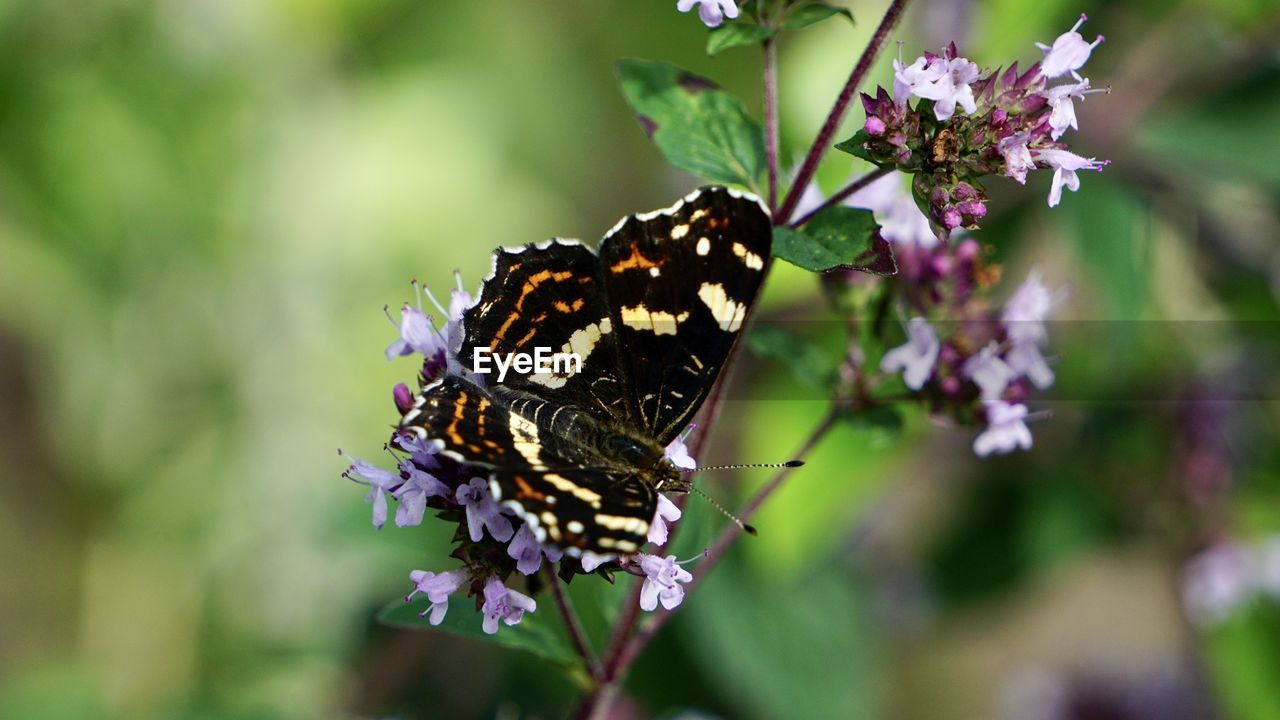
[548, 296]
[680, 283]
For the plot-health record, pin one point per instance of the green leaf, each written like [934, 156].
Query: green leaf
[807, 15]
[838, 237]
[699, 127]
[805, 360]
[854, 146]
[538, 632]
[731, 35]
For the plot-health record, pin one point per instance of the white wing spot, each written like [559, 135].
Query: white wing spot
[749, 258]
[679, 231]
[726, 311]
[657, 322]
[704, 246]
[525, 436]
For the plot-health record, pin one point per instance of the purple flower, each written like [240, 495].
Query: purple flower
[1023, 317]
[438, 587]
[900, 220]
[503, 603]
[380, 482]
[1065, 165]
[1006, 430]
[991, 374]
[910, 79]
[1061, 100]
[418, 334]
[1017, 157]
[483, 512]
[662, 581]
[590, 561]
[1026, 309]
[678, 453]
[712, 12]
[1217, 581]
[459, 302]
[421, 450]
[667, 513]
[1027, 361]
[917, 357]
[1068, 53]
[528, 552]
[951, 88]
[414, 492]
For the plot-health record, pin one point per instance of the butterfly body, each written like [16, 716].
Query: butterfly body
[578, 454]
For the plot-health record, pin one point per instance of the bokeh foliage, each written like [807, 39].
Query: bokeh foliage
[204, 205]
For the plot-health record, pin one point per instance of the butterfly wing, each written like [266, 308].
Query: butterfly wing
[679, 283]
[478, 429]
[579, 509]
[549, 295]
[542, 476]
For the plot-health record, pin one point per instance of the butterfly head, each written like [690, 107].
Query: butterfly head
[668, 477]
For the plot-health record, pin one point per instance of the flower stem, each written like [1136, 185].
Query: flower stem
[573, 625]
[620, 662]
[721, 545]
[823, 141]
[845, 192]
[771, 117]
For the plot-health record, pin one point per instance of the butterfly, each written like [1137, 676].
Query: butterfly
[577, 452]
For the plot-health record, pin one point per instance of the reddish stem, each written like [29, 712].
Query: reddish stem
[844, 193]
[823, 141]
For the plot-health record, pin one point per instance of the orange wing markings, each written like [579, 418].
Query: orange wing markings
[567, 308]
[452, 430]
[526, 490]
[530, 284]
[537, 279]
[635, 261]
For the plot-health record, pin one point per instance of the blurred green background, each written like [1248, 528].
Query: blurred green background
[204, 205]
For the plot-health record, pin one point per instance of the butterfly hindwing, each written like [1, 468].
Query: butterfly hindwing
[577, 509]
[679, 283]
[479, 429]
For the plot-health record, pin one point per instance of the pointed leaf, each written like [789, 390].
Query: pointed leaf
[731, 35]
[855, 146]
[699, 127]
[838, 237]
[538, 632]
[807, 15]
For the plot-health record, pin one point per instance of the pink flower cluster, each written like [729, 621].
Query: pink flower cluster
[969, 124]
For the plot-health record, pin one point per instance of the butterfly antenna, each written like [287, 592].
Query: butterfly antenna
[787, 464]
[745, 527]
